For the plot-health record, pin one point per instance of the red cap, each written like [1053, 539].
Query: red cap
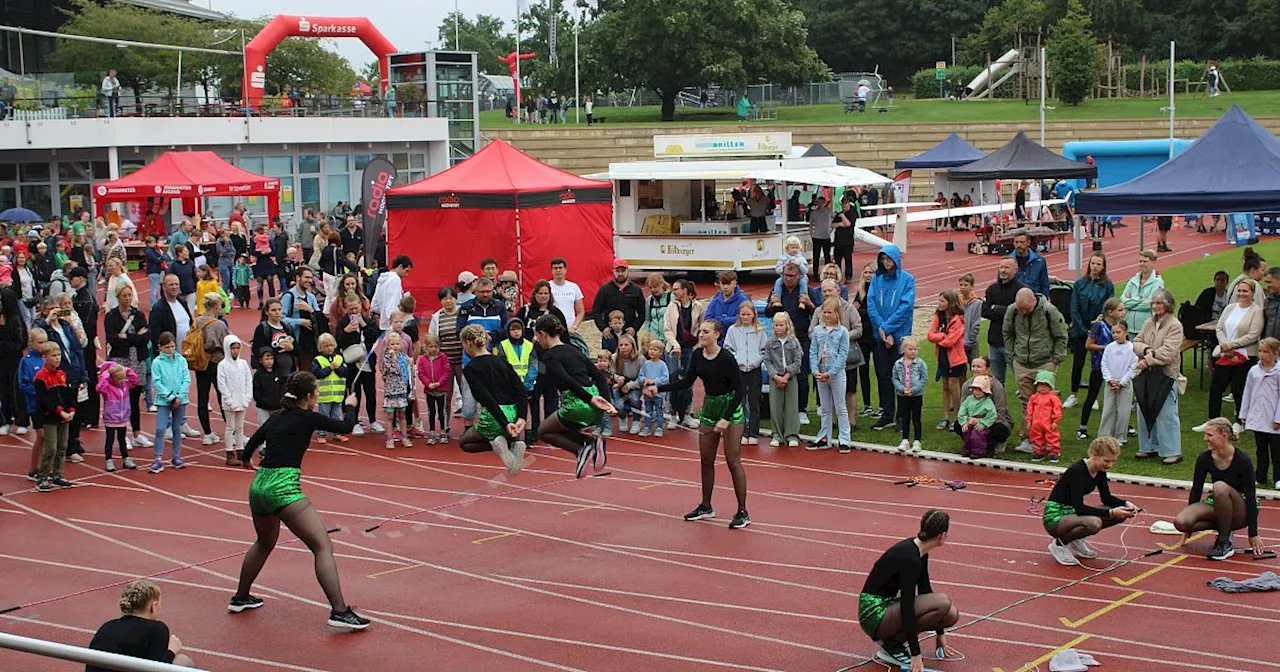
[621, 263]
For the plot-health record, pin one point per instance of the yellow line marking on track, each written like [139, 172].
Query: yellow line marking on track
[588, 508]
[496, 536]
[393, 571]
[1045, 658]
[1192, 538]
[654, 485]
[1149, 572]
[1110, 607]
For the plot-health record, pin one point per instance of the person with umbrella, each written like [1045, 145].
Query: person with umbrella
[1157, 348]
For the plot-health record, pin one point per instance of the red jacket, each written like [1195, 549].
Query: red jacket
[952, 340]
[53, 396]
[1044, 412]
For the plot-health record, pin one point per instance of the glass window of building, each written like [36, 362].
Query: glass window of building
[309, 193]
[35, 172]
[337, 188]
[335, 164]
[308, 163]
[278, 166]
[73, 171]
[38, 198]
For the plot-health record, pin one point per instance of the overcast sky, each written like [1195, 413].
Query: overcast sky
[409, 24]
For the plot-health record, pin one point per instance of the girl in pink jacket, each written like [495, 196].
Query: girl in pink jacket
[435, 373]
[114, 383]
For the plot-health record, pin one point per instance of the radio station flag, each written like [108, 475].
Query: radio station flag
[379, 176]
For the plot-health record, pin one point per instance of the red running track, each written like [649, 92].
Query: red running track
[601, 574]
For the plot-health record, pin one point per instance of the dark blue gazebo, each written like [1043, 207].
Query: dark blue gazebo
[952, 152]
[1233, 167]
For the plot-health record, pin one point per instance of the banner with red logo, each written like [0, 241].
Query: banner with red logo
[901, 187]
[379, 176]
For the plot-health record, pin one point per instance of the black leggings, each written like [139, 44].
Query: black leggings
[1235, 377]
[135, 408]
[1268, 453]
[864, 373]
[204, 380]
[1095, 388]
[436, 412]
[9, 395]
[752, 379]
[542, 403]
[909, 415]
[1079, 355]
[821, 250]
[116, 434]
[362, 384]
[844, 259]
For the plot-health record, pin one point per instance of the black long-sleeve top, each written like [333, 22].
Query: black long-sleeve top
[132, 636]
[118, 346]
[288, 433]
[1075, 483]
[494, 384]
[628, 298]
[902, 570]
[570, 370]
[720, 375]
[1239, 475]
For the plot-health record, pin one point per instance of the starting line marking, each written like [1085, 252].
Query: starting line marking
[496, 536]
[1046, 657]
[655, 485]
[1171, 547]
[393, 571]
[1161, 567]
[1110, 607]
[588, 508]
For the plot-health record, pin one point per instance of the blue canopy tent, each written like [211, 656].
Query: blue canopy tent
[952, 152]
[1233, 168]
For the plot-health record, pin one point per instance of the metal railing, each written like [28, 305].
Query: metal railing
[82, 106]
[79, 654]
[813, 93]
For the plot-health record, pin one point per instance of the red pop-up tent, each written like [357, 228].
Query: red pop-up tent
[190, 176]
[504, 204]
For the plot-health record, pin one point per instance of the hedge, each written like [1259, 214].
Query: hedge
[924, 84]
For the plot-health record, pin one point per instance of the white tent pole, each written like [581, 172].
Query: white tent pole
[1171, 105]
[519, 91]
[577, 84]
[1043, 91]
[178, 94]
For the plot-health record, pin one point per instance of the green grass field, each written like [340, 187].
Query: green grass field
[906, 110]
[1186, 281]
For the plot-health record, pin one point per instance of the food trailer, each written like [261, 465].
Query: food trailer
[676, 213]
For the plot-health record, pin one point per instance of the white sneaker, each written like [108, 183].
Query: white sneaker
[1025, 447]
[190, 432]
[358, 430]
[792, 443]
[751, 440]
[1062, 554]
[377, 428]
[151, 408]
[1237, 429]
[1082, 550]
[804, 418]
[915, 446]
[210, 439]
[635, 427]
[1096, 406]
[418, 425]
[142, 440]
[23, 430]
[775, 443]
[671, 423]
[1200, 427]
[77, 458]
[4, 430]
[1070, 401]
[690, 421]
[1228, 399]
[128, 463]
[505, 454]
[904, 446]
[111, 464]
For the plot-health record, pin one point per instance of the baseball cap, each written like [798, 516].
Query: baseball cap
[621, 263]
[466, 278]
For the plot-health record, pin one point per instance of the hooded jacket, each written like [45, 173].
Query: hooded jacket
[1087, 299]
[115, 400]
[725, 311]
[1260, 407]
[31, 364]
[235, 376]
[1036, 338]
[171, 378]
[1032, 271]
[891, 298]
[1137, 300]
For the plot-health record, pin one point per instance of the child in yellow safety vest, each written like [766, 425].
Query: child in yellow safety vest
[331, 382]
[518, 352]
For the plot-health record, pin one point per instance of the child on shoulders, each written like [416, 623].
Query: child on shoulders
[792, 253]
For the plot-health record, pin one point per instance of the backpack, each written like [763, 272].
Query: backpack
[581, 345]
[193, 346]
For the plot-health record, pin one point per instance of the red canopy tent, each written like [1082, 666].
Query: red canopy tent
[504, 204]
[190, 176]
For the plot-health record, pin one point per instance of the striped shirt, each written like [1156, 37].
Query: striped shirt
[450, 344]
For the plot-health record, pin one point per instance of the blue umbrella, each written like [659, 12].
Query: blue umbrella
[20, 215]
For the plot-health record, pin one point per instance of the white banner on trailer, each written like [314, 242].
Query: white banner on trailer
[695, 146]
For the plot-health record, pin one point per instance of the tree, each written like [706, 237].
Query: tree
[1000, 28]
[668, 45]
[487, 36]
[295, 63]
[1073, 55]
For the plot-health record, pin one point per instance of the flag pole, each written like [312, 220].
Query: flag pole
[516, 83]
[577, 87]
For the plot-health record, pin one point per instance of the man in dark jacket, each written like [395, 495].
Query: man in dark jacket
[162, 317]
[800, 308]
[623, 295]
[86, 306]
[1000, 295]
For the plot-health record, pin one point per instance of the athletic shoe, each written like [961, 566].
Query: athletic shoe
[635, 426]
[607, 430]
[1062, 554]
[817, 444]
[751, 440]
[915, 447]
[845, 449]
[702, 512]
[1038, 458]
[868, 411]
[599, 452]
[518, 448]
[44, 485]
[1082, 550]
[793, 443]
[76, 458]
[672, 424]
[1200, 427]
[1237, 429]
[895, 654]
[658, 432]
[774, 443]
[377, 428]
[1132, 432]
[111, 464]
[33, 477]
[232, 459]
[191, 433]
[503, 450]
[1053, 459]
[4, 430]
[904, 446]
[1070, 401]
[358, 430]
[690, 421]
[128, 463]
[740, 520]
[644, 432]
[417, 427]
[61, 482]
[584, 456]
[406, 441]
[321, 440]
[23, 430]
[348, 620]
[882, 424]
[142, 440]
[1228, 399]
[209, 439]
[239, 604]
[1222, 548]
[1096, 406]
[151, 408]
[341, 438]
[1082, 434]
[178, 463]
[1025, 447]
[804, 418]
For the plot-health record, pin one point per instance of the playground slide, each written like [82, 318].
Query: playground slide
[988, 75]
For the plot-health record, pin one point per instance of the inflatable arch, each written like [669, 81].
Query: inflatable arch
[255, 52]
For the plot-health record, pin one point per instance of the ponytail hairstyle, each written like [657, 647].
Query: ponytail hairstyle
[1252, 261]
[297, 387]
[934, 524]
[475, 335]
[550, 325]
[137, 596]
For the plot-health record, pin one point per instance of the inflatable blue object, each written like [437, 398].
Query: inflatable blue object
[1121, 160]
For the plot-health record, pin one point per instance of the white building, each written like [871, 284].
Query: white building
[48, 166]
